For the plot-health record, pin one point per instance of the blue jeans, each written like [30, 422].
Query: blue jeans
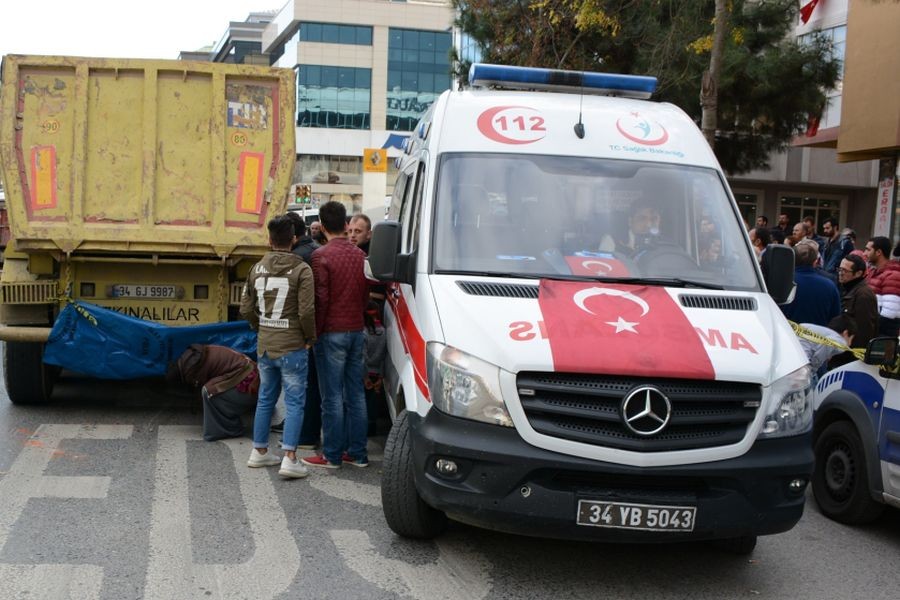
[341, 368]
[289, 370]
[311, 431]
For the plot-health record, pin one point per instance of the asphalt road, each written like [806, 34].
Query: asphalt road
[109, 492]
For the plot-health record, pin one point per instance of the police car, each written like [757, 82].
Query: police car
[857, 436]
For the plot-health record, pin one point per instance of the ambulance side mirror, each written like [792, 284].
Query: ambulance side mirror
[778, 272]
[385, 260]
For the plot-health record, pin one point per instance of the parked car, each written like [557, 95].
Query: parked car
[856, 435]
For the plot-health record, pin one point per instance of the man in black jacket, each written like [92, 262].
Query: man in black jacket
[303, 244]
[858, 299]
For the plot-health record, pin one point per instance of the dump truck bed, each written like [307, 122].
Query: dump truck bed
[105, 156]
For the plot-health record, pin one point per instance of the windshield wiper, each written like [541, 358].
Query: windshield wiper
[679, 282]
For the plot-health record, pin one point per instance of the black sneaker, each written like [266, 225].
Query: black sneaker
[279, 427]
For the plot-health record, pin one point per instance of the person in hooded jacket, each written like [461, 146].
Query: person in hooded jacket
[279, 303]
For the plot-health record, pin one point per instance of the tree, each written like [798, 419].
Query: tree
[769, 84]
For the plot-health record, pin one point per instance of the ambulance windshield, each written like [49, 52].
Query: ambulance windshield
[546, 216]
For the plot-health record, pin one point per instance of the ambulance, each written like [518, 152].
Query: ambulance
[857, 436]
[581, 342]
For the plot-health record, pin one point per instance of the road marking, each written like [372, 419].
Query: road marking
[346, 489]
[458, 573]
[51, 581]
[24, 480]
[171, 572]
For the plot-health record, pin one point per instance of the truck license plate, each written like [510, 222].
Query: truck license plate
[146, 291]
[645, 517]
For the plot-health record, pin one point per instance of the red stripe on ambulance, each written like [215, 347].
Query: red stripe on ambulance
[413, 342]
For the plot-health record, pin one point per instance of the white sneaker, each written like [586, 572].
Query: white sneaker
[262, 460]
[292, 468]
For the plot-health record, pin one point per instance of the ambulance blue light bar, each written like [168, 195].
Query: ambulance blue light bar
[530, 78]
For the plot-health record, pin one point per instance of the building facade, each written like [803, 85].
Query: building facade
[366, 72]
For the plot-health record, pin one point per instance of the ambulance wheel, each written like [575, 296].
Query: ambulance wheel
[28, 380]
[405, 511]
[739, 546]
[840, 480]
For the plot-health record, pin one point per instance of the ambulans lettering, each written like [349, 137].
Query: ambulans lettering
[159, 313]
[716, 339]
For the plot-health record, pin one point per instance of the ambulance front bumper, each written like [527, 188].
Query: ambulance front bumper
[505, 484]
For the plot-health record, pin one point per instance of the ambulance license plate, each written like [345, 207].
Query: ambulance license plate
[146, 292]
[644, 517]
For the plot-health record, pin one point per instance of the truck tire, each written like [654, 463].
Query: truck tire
[841, 480]
[405, 511]
[28, 380]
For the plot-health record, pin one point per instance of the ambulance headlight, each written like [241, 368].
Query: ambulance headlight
[790, 407]
[464, 386]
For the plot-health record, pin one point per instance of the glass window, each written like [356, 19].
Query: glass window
[337, 97]
[644, 220]
[426, 40]
[347, 35]
[333, 33]
[410, 39]
[442, 42]
[313, 74]
[747, 205]
[330, 34]
[418, 70]
[800, 207]
[311, 32]
[364, 79]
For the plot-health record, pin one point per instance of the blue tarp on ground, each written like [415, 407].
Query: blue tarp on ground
[105, 344]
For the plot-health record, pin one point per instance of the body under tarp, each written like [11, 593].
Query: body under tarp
[105, 344]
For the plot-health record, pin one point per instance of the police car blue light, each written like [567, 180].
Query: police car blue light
[608, 84]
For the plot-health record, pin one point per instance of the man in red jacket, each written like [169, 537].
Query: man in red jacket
[342, 293]
[884, 280]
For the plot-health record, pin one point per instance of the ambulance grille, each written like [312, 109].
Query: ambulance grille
[587, 409]
[718, 302]
[499, 290]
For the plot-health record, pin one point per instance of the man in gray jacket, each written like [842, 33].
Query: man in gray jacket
[278, 302]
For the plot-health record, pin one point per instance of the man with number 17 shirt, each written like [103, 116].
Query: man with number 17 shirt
[279, 303]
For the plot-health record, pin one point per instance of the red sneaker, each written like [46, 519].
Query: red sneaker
[319, 461]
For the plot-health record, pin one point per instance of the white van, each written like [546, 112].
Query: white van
[581, 344]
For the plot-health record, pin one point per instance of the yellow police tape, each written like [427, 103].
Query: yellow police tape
[812, 336]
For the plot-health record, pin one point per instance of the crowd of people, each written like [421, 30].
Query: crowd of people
[320, 346]
[852, 291]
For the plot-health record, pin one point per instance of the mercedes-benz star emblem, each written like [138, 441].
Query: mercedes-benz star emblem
[646, 411]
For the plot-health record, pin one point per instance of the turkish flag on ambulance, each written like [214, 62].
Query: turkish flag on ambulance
[620, 329]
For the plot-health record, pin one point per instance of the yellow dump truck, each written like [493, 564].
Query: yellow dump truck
[143, 186]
